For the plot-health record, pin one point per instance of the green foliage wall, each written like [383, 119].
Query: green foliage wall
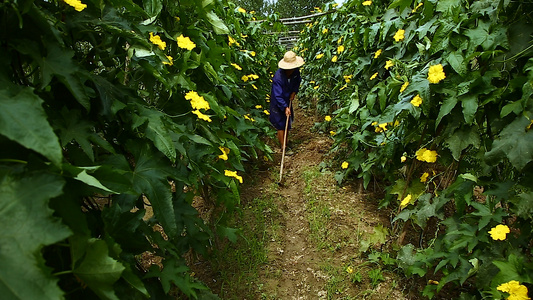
[435, 98]
[110, 107]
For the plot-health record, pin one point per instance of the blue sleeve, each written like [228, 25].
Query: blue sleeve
[297, 81]
[277, 94]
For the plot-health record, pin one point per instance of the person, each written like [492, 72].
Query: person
[285, 86]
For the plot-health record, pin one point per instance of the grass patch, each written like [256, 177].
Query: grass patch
[239, 264]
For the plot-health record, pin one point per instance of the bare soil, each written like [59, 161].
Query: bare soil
[314, 252]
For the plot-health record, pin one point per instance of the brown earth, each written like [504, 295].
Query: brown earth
[319, 229]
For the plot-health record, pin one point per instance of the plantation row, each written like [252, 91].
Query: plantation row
[434, 99]
[108, 108]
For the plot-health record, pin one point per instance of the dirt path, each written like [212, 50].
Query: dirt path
[308, 238]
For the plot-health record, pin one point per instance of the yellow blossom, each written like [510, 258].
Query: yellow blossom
[170, 61]
[236, 66]
[225, 152]
[253, 85]
[339, 41]
[515, 290]
[233, 174]
[399, 35]
[232, 41]
[436, 73]
[374, 76]
[247, 117]
[348, 78]
[316, 87]
[252, 53]
[201, 116]
[404, 86]
[327, 118]
[334, 58]
[419, 4]
[349, 270]
[396, 123]
[388, 64]
[253, 76]
[242, 10]
[406, 201]
[325, 30]
[367, 2]
[345, 165]
[417, 100]
[197, 101]
[319, 56]
[258, 106]
[340, 49]
[185, 43]
[383, 126]
[426, 155]
[378, 53]
[424, 177]
[374, 123]
[343, 87]
[76, 4]
[332, 133]
[244, 78]
[499, 232]
[266, 112]
[403, 158]
[156, 40]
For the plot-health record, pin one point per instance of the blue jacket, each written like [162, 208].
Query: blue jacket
[282, 88]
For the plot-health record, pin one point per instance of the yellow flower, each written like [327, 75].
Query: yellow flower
[170, 61]
[499, 232]
[374, 123]
[515, 289]
[332, 133]
[417, 100]
[335, 5]
[406, 201]
[367, 2]
[316, 87]
[319, 56]
[426, 155]
[404, 86]
[396, 123]
[327, 118]
[225, 152]
[232, 41]
[340, 49]
[233, 174]
[242, 10]
[388, 64]
[244, 78]
[252, 53]
[334, 58]
[247, 117]
[374, 76]
[436, 73]
[253, 85]
[348, 78]
[76, 4]
[258, 106]
[424, 177]
[266, 112]
[325, 30]
[201, 116]
[399, 35]
[419, 4]
[156, 40]
[253, 76]
[345, 165]
[343, 87]
[349, 270]
[236, 66]
[383, 126]
[185, 43]
[403, 158]
[197, 101]
[339, 41]
[378, 53]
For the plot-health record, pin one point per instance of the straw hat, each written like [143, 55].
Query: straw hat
[290, 61]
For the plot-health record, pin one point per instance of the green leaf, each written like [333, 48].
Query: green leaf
[23, 120]
[461, 139]
[97, 269]
[84, 177]
[446, 108]
[523, 205]
[456, 60]
[482, 36]
[175, 271]
[515, 143]
[218, 25]
[153, 7]
[230, 233]
[470, 105]
[27, 226]
[157, 131]
[150, 178]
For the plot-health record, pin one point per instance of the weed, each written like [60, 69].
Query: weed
[376, 276]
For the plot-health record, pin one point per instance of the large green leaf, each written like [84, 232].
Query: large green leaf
[461, 139]
[157, 131]
[218, 25]
[22, 119]
[515, 143]
[97, 269]
[28, 226]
